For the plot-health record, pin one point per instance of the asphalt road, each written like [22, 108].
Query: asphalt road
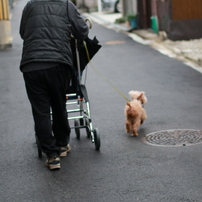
[125, 169]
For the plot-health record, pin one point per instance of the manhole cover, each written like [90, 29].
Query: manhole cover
[175, 137]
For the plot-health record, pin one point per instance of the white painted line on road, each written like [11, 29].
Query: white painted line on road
[139, 39]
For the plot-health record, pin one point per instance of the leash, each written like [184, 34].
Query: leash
[101, 75]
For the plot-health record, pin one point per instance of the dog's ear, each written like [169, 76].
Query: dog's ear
[138, 98]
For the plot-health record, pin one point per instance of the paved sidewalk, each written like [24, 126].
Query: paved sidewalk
[190, 52]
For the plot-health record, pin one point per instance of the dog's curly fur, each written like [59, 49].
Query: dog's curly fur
[134, 112]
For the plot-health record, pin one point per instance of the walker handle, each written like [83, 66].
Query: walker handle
[88, 20]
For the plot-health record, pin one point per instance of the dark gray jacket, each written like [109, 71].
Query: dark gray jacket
[45, 28]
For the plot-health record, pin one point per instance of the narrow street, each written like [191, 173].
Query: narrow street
[126, 169]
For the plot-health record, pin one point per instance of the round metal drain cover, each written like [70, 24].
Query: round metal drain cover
[175, 137]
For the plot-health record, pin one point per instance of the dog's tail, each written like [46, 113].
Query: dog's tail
[130, 109]
[128, 103]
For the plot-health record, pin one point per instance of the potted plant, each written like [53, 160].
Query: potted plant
[132, 18]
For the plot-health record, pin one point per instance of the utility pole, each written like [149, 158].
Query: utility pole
[5, 25]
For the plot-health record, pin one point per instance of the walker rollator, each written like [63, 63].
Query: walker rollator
[77, 102]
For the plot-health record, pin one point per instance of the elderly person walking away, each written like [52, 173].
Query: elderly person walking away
[46, 63]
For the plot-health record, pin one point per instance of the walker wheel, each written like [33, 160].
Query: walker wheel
[38, 147]
[77, 130]
[81, 121]
[97, 139]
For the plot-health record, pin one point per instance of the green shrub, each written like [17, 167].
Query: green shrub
[120, 20]
[131, 16]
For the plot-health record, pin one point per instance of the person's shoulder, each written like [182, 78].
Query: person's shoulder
[30, 2]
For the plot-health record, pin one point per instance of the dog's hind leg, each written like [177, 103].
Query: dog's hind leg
[135, 127]
[128, 129]
[134, 133]
[143, 117]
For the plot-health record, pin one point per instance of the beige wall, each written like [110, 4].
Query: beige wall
[88, 3]
[130, 6]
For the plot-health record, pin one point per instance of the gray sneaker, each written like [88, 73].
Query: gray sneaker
[64, 150]
[53, 162]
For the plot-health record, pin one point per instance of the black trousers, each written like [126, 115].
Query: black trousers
[47, 89]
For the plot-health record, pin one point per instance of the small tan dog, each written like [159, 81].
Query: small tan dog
[134, 111]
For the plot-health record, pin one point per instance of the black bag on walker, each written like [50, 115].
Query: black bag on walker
[85, 53]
